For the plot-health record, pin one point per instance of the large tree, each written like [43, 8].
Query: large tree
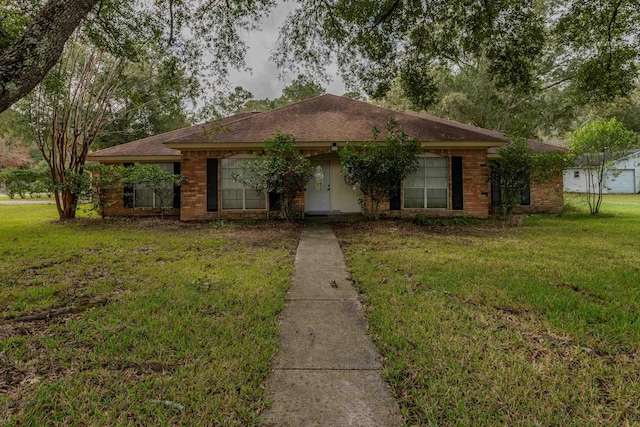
[523, 46]
[242, 101]
[154, 96]
[25, 62]
[67, 111]
[590, 47]
[202, 34]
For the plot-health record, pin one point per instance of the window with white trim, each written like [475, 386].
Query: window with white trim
[428, 186]
[144, 197]
[235, 195]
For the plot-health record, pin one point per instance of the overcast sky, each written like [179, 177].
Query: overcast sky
[263, 81]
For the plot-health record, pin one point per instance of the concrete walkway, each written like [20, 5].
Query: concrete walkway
[326, 371]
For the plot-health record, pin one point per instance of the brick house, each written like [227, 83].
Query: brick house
[453, 178]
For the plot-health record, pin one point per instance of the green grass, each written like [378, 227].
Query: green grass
[486, 325]
[18, 198]
[184, 329]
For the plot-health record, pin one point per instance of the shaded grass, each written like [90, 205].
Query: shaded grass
[187, 333]
[483, 325]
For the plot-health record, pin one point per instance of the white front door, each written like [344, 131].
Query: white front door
[319, 188]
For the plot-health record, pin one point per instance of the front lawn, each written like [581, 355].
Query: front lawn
[162, 323]
[485, 325]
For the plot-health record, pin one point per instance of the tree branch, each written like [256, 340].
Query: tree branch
[387, 14]
[25, 63]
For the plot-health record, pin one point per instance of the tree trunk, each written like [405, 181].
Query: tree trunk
[25, 63]
[66, 202]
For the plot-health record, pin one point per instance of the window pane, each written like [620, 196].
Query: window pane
[234, 194]
[436, 198]
[437, 182]
[436, 172]
[166, 196]
[435, 162]
[414, 198]
[231, 199]
[167, 167]
[432, 175]
[254, 200]
[143, 197]
[412, 182]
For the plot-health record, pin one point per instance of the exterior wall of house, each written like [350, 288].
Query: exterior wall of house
[476, 188]
[545, 198]
[193, 198]
[475, 175]
[116, 205]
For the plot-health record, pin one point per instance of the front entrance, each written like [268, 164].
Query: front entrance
[327, 192]
[319, 189]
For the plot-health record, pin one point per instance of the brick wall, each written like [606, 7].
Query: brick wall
[193, 198]
[476, 191]
[116, 206]
[545, 198]
[476, 188]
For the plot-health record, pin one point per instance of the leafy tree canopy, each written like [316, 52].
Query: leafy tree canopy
[594, 146]
[241, 100]
[518, 167]
[523, 46]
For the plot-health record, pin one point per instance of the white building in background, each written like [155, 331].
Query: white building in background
[623, 177]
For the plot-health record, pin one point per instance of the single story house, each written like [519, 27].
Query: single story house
[453, 178]
[622, 177]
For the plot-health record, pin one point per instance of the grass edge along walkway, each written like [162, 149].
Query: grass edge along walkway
[326, 371]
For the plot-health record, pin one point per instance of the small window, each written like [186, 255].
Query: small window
[576, 175]
[145, 197]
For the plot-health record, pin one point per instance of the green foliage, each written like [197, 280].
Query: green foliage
[153, 97]
[240, 100]
[161, 182]
[14, 17]
[594, 147]
[282, 170]
[378, 169]
[518, 167]
[301, 88]
[67, 111]
[379, 41]
[105, 179]
[35, 181]
[418, 84]
[75, 184]
[600, 41]
[16, 181]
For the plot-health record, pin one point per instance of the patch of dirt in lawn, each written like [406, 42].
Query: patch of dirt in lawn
[264, 234]
[405, 228]
[30, 361]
